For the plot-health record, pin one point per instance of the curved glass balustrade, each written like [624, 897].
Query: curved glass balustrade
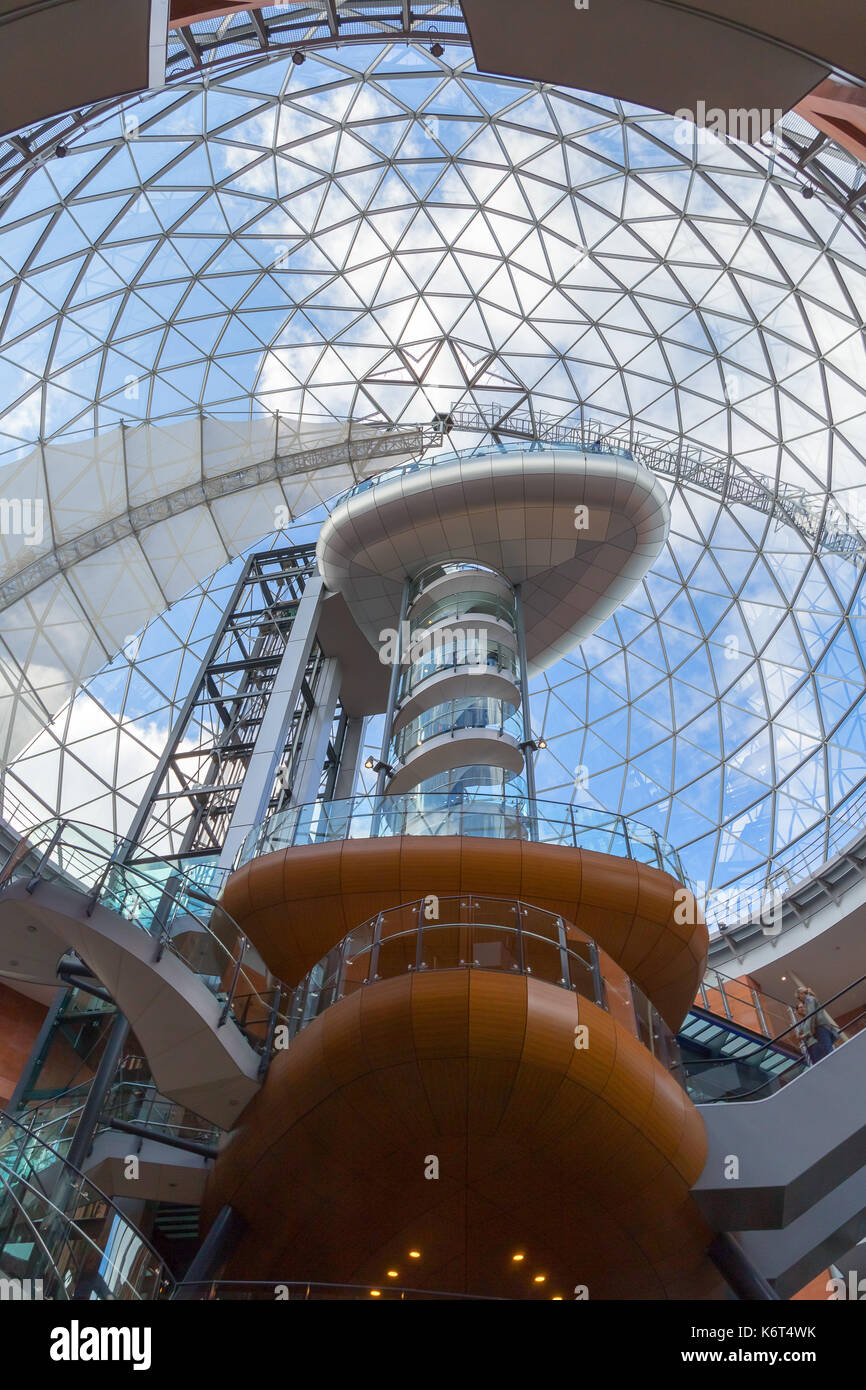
[428, 813]
[52, 1123]
[446, 569]
[454, 608]
[61, 1232]
[163, 900]
[454, 653]
[473, 782]
[457, 716]
[599, 446]
[466, 932]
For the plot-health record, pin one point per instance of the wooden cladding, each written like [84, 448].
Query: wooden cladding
[295, 904]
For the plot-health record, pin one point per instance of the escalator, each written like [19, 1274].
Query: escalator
[786, 1161]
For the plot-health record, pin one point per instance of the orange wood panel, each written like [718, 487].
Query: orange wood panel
[297, 903]
[20, 1021]
[581, 1158]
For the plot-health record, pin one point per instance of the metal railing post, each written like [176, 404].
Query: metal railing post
[658, 849]
[521, 958]
[226, 1008]
[563, 952]
[720, 985]
[36, 876]
[100, 882]
[597, 982]
[419, 948]
[627, 838]
[274, 1014]
[374, 953]
[759, 1010]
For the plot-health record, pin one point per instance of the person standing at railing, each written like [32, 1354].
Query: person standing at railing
[818, 1031]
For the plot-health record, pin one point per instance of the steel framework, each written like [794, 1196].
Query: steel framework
[195, 785]
[820, 521]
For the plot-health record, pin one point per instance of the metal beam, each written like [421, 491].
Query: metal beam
[723, 475]
[147, 1132]
[259, 26]
[190, 45]
[413, 440]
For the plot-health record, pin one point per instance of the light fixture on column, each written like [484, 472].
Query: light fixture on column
[374, 765]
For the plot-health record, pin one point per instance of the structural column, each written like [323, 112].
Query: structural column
[529, 769]
[308, 772]
[273, 731]
[350, 756]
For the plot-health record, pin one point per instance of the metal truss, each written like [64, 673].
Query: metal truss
[812, 157]
[197, 780]
[819, 520]
[247, 35]
[355, 452]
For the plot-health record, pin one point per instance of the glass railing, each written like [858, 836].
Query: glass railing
[476, 933]
[183, 917]
[597, 445]
[444, 570]
[451, 655]
[60, 1232]
[492, 817]
[52, 1123]
[454, 717]
[742, 1004]
[457, 608]
[746, 1070]
[482, 783]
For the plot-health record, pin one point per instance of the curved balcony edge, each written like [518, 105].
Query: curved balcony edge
[490, 817]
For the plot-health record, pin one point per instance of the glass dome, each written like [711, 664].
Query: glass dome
[381, 235]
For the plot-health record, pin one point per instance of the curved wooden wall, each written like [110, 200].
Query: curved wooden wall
[580, 1159]
[295, 904]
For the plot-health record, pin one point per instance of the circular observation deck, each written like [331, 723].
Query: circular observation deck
[576, 530]
[309, 874]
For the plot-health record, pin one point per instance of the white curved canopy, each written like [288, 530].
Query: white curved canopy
[101, 535]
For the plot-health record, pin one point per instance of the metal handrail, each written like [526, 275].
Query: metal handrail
[370, 816]
[157, 906]
[71, 1171]
[773, 1043]
[37, 1118]
[328, 982]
